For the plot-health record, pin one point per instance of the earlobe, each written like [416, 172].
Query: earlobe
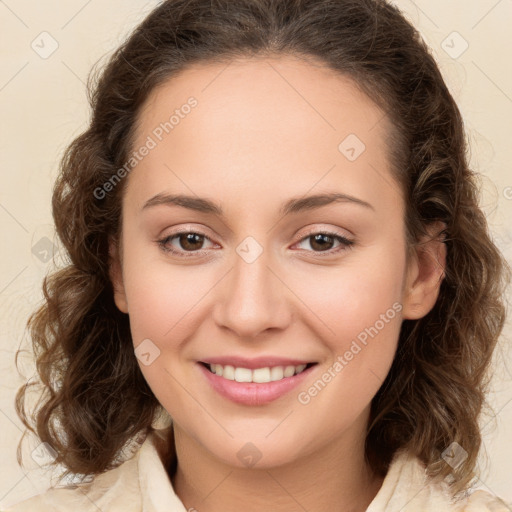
[116, 277]
[425, 273]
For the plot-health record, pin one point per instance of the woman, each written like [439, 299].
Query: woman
[275, 243]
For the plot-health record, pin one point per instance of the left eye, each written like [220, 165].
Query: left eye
[323, 240]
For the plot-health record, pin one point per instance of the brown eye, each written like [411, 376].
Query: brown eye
[323, 242]
[186, 242]
[190, 241]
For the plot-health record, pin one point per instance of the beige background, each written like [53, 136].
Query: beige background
[43, 107]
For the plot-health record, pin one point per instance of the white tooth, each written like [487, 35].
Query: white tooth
[276, 373]
[243, 375]
[261, 375]
[289, 371]
[300, 368]
[228, 372]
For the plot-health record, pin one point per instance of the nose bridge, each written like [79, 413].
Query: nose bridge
[253, 299]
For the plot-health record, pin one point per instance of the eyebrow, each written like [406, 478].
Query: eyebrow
[294, 205]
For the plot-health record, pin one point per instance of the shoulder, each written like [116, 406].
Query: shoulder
[407, 488]
[482, 501]
[140, 483]
[115, 490]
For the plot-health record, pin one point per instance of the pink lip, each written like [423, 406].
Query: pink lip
[256, 362]
[253, 393]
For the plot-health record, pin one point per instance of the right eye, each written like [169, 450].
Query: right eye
[189, 241]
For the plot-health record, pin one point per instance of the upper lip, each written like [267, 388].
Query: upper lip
[255, 362]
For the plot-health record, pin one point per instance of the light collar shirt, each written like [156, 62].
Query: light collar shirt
[142, 484]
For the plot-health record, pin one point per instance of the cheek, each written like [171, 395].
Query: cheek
[162, 299]
[355, 295]
[363, 319]
[159, 293]
[358, 311]
[163, 303]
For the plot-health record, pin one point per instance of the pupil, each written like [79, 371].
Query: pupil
[322, 246]
[190, 238]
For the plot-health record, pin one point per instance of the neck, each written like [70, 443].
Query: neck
[334, 478]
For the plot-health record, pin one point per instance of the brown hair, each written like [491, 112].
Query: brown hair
[95, 398]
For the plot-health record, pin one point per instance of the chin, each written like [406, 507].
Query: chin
[258, 453]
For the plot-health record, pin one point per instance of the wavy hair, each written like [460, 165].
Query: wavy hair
[93, 396]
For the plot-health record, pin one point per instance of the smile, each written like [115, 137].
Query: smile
[258, 375]
[255, 386]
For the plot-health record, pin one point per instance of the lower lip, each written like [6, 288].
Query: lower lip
[253, 393]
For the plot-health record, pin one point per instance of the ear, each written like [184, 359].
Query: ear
[425, 273]
[116, 276]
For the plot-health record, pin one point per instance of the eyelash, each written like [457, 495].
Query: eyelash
[346, 243]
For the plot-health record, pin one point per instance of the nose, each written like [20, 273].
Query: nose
[253, 298]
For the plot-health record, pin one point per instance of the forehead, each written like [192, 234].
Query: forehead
[282, 91]
[282, 125]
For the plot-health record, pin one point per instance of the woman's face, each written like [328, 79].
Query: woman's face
[260, 151]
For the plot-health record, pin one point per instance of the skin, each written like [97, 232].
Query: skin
[267, 130]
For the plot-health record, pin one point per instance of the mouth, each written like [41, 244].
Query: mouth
[261, 375]
[256, 386]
